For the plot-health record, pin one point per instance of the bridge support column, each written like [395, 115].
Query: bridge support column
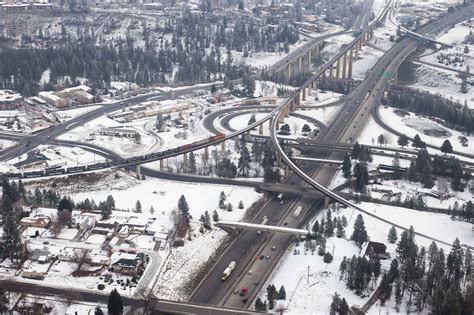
[185, 159]
[356, 56]
[289, 70]
[206, 151]
[338, 68]
[297, 100]
[292, 106]
[270, 122]
[300, 61]
[331, 72]
[317, 50]
[326, 202]
[260, 129]
[223, 146]
[344, 67]
[237, 142]
[281, 118]
[303, 94]
[349, 73]
[310, 87]
[139, 171]
[162, 165]
[278, 159]
[286, 112]
[277, 127]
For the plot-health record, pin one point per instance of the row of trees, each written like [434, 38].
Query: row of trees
[454, 114]
[427, 278]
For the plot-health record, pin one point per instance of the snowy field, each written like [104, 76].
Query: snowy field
[88, 133]
[323, 281]
[412, 125]
[368, 56]
[163, 195]
[69, 114]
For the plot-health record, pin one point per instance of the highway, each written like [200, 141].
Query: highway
[166, 306]
[344, 128]
[250, 272]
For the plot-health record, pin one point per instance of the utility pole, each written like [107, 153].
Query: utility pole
[307, 279]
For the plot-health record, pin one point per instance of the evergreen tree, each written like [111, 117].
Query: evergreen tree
[215, 216]
[281, 293]
[347, 167]
[412, 177]
[65, 203]
[138, 207]
[4, 301]
[230, 207]
[241, 205]
[207, 220]
[361, 176]
[417, 143]
[271, 296]
[115, 304]
[426, 176]
[402, 140]
[183, 209]
[397, 172]
[252, 120]
[322, 247]
[98, 311]
[359, 236]
[315, 227]
[12, 239]
[244, 162]
[192, 163]
[392, 235]
[327, 258]
[355, 153]
[222, 199]
[340, 233]
[446, 147]
[385, 289]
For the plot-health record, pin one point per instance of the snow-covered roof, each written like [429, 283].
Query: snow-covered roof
[9, 96]
[137, 221]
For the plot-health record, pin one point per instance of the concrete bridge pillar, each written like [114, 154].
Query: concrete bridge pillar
[270, 122]
[281, 118]
[317, 50]
[292, 106]
[338, 68]
[206, 151]
[331, 72]
[289, 70]
[185, 158]
[349, 73]
[300, 61]
[303, 91]
[297, 100]
[237, 141]
[260, 129]
[223, 146]
[356, 57]
[139, 171]
[344, 66]
[277, 127]
[326, 202]
[278, 159]
[310, 87]
[286, 112]
[162, 164]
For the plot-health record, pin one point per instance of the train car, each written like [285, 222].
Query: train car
[14, 175]
[216, 137]
[185, 147]
[33, 174]
[54, 171]
[134, 159]
[200, 142]
[75, 169]
[97, 166]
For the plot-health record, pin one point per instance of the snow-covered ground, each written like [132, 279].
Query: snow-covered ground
[4, 144]
[412, 125]
[368, 56]
[88, 133]
[308, 279]
[324, 115]
[163, 195]
[68, 156]
[69, 114]
[408, 189]
[184, 262]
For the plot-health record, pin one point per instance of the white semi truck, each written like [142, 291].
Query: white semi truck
[228, 270]
[297, 211]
